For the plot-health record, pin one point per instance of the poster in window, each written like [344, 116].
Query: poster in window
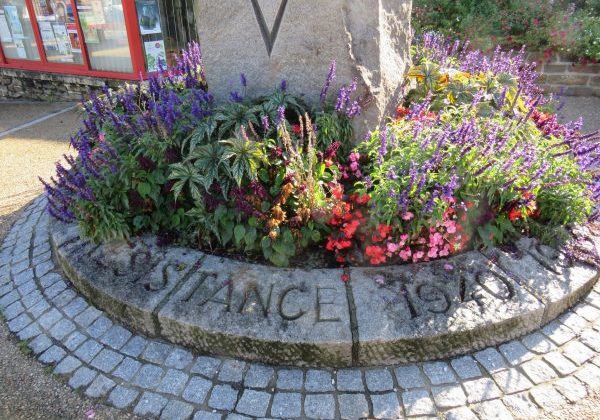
[148, 17]
[12, 15]
[74, 38]
[155, 53]
[21, 53]
[5, 34]
[47, 34]
[91, 17]
[62, 39]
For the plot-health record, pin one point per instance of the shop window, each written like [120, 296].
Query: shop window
[105, 35]
[58, 31]
[16, 32]
[166, 26]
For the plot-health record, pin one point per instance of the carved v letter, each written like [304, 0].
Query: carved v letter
[269, 36]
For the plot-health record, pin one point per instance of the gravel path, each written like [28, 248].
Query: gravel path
[27, 389]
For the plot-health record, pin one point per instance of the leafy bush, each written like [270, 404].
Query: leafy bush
[473, 157]
[566, 26]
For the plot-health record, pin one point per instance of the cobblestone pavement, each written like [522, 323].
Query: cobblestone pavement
[542, 372]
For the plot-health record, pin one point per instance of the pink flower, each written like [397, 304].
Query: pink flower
[433, 252]
[450, 226]
[379, 279]
[408, 216]
[405, 254]
[448, 267]
[445, 251]
[436, 239]
[393, 248]
[417, 256]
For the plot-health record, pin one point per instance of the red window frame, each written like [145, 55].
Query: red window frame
[85, 69]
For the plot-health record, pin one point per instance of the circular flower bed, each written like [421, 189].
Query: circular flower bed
[474, 157]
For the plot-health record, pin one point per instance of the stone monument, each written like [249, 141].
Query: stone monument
[296, 40]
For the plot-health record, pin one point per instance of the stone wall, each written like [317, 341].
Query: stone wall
[24, 84]
[572, 79]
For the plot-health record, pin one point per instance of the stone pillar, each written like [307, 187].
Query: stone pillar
[296, 40]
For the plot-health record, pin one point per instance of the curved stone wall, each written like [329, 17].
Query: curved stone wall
[309, 317]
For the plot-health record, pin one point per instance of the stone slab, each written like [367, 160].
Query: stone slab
[423, 311]
[261, 313]
[547, 273]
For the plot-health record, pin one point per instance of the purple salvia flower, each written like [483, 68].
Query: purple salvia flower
[330, 78]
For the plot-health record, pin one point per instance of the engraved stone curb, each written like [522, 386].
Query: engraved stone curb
[543, 371]
[298, 317]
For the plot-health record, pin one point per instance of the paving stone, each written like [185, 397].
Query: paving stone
[204, 415]
[150, 405]
[491, 360]
[538, 343]
[14, 310]
[232, 371]
[82, 377]
[50, 279]
[23, 276]
[588, 312]
[573, 321]
[53, 355]
[43, 268]
[64, 298]
[107, 360]
[55, 289]
[253, 403]
[350, 380]
[50, 318]
[290, 379]
[547, 397]
[62, 328]
[135, 346]
[481, 390]
[439, 373]
[179, 359]
[197, 390]
[177, 410]
[493, 409]
[4, 290]
[67, 366]
[539, 371]
[417, 402]
[287, 404]
[578, 352]
[173, 382]
[99, 326]
[521, 405]
[40, 344]
[353, 406]
[157, 352]
[38, 309]
[127, 369]
[223, 397]
[18, 323]
[386, 406]
[462, 413]
[409, 377]
[27, 288]
[466, 367]
[9, 298]
[88, 350]
[116, 337]
[591, 339]
[571, 388]
[258, 376]
[74, 340]
[32, 299]
[558, 333]
[148, 377]
[87, 317]
[122, 397]
[319, 406]
[29, 332]
[511, 381]
[379, 380]
[318, 381]
[100, 387]
[448, 396]
[590, 375]
[515, 352]
[206, 366]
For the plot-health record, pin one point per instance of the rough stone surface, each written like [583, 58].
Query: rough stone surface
[263, 40]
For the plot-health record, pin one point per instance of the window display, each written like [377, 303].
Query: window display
[53, 18]
[16, 33]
